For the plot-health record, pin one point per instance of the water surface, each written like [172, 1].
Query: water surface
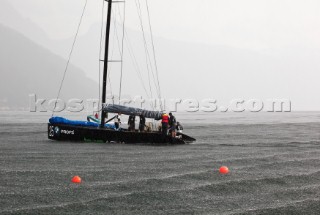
[274, 162]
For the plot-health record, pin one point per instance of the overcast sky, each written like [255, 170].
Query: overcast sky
[269, 27]
[250, 24]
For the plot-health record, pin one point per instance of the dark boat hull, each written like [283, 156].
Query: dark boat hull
[80, 133]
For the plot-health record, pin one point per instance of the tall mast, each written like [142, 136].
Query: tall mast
[106, 59]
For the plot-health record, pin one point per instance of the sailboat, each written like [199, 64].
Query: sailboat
[101, 130]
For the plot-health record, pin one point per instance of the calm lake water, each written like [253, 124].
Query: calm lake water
[273, 158]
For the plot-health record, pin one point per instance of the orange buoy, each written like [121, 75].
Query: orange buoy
[76, 179]
[224, 170]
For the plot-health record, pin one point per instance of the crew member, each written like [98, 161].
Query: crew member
[165, 122]
[179, 127]
[96, 115]
[173, 124]
[131, 122]
[117, 121]
[142, 123]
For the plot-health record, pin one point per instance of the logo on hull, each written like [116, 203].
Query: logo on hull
[67, 132]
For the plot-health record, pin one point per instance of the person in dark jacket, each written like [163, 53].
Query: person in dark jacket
[131, 123]
[117, 121]
[172, 124]
[142, 123]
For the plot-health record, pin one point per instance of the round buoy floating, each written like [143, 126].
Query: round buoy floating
[76, 179]
[224, 170]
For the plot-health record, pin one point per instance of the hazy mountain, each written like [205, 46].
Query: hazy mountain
[187, 70]
[11, 18]
[26, 67]
[191, 70]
